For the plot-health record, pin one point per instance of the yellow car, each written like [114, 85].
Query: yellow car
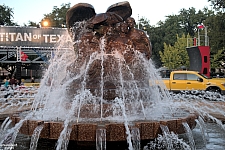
[193, 80]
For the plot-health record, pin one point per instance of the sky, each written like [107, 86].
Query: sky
[152, 10]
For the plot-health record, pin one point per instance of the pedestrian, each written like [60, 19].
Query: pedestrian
[22, 82]
[12, 82]
[6, 82]
[32, 80]
[18, 82]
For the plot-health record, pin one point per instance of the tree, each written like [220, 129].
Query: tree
[216, 31]
[181, 45]
[186, 22]
[218, 4]
[175, 56]
[172, 26]
[183, 23]
[218, 59]
[189, 19]
[170, 57]
[57, 18]
[156, 35]
[164, 33]
[33, 24]
[6, 15]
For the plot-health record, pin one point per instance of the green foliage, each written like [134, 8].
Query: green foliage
[155, 35]
[170, 57]
[218, 4]
[165, 32]
[189, 19]
[57, 18]
[175, 56]
[172, 28]
[186, 23]
[181, 45]
[218, 59]
[6, 15]
[33, 24]
[216, 31]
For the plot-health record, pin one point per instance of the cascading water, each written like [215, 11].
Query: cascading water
[203, 124]
[4, 124]
[189, 135]
[202, 130]
[55, 101]
[104, 78]
[35, 137]
[165, 132]
[135, 136]
[100, 139]
[53, 96]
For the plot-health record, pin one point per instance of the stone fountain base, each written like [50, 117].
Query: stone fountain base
[86, 132]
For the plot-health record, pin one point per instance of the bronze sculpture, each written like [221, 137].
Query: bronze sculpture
[113, 29]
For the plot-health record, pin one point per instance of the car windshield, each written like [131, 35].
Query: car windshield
[204, 76]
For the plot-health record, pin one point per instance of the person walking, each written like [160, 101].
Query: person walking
[6, 82]
[32, 80]
[12, 81]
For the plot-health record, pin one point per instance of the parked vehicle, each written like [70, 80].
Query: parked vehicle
[193, 80]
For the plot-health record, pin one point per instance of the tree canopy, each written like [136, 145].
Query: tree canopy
[6, 15]
[218, 59]
[218, 4]
[57, 18]
[166, 37]
[176, 56]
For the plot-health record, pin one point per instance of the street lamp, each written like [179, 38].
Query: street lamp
[45, 23]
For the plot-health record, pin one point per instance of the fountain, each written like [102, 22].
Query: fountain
[104, 90]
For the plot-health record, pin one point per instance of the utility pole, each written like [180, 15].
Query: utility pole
[206, 37]
[198, 38]
[138, 22]
[18, 64]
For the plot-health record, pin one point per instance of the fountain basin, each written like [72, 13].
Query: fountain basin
[86, 131]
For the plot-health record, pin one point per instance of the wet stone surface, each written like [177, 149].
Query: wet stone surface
[216, 141]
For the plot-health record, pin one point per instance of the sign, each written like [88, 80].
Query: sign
[32, 37]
